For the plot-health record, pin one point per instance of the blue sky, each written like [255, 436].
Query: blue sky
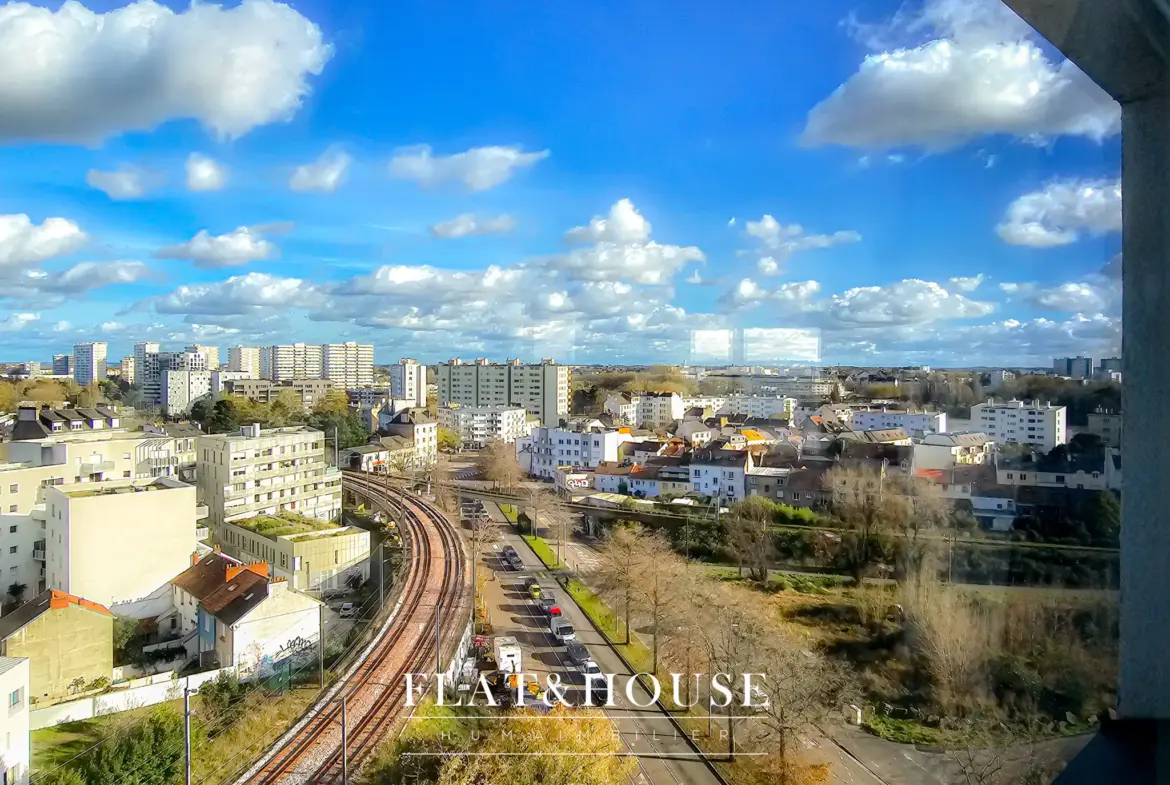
[892, 183]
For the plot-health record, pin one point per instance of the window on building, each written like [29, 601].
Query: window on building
[12, 549]
[13, 488]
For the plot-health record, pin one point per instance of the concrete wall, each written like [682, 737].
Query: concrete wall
[14, 724]
[118, 700]
[63, 644]
[285, 625]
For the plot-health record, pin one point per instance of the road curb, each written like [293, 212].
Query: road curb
[558, 575]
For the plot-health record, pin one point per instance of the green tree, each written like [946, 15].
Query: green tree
[1101, 517]
[222, 702]
[448, 439]
[16, 592]
[125, 631]
[202, 410]
[224, 418]
[62, 775]
[150, 754]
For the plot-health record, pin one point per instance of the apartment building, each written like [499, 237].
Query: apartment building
[310, 553]
[1021, 422]
[419, 429]
[245, 359]
[720, 473]
[296, 361]
[16, 754]
[803, 388]
[349, 364]
[541, 389]
[945, 451]
[89, 362]
[408, 382]
[1073, 367]
[577, 444]
[266, 362]
[267, 472]
[209, 352]
[1107, 425]
[62, 365]
[220, 378]
[180, 389]
[911, 422]
[478, 426]
[310, 391]
[622, 407]
[767, 406]
[150, 364]
[658, 410]
[126, 369]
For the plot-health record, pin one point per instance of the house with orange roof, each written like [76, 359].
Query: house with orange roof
[68, 640]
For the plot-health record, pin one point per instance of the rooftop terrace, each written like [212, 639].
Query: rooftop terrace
[284, 524]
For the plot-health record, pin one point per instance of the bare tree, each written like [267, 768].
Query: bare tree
[498, 465]
[924, 510]
[989, 757]
[862, 502]
[617, 572]
[657, 587]
[748, 535]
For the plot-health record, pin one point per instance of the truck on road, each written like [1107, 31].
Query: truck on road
[507, 652]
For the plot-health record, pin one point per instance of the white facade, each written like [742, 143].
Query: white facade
[211, 353]
[16, 754]
[548, 448]
[255, 471]
[477, 426]
[542, 389]
[89, 362]
[622, 407]
[910, 422]
[947, 450]
[722, 477]
[180, 389]
[146, 528]
[126, 369]
[296, 361]
[758, 406]
[349, 364]
[408, 382]
[286, 624]
[220, 378]
[658, 410]
[245, 359]
[1022, 422]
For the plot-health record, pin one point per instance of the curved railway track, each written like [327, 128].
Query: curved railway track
[374, 692]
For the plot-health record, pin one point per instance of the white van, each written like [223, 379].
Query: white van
[561, 629]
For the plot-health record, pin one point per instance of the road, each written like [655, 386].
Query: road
[664, 758]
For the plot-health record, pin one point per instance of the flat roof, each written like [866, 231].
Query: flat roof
[284, 524]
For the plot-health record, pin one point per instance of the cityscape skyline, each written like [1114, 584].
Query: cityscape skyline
[931, 184]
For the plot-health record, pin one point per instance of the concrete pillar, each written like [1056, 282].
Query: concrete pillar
[1145, 530]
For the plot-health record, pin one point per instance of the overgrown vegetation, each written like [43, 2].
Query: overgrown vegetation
[331, 413]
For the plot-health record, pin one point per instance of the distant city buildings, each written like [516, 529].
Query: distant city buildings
[478, 426]
[1073, 367]
[348, 364]
[89, 362]
[308, 391]
[911, 422]
[1107, 425]
[1021, 422]
[295, 361]
[408, 382]
[210, 352]
[245, 359]
[62, 365]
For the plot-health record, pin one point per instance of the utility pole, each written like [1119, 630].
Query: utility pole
[336, 448]
[321, 645]
[344, 745]
[187, 730]
[438, 638]
[382, 576]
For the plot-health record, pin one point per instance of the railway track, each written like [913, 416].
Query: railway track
[374, 692]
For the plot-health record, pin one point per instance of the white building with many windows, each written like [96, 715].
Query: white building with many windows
[349, 364]
[584, 446]
[408, 382]
[541, 388]
[16, 754]
[294, 361]
[180, 389]
[767, 406]
[245, 359]
[1021, 422]
[478, 426]
[910, 422]
[89, 362]
[658, 410]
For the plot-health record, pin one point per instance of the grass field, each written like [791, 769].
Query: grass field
[542, 551]
[52, 747]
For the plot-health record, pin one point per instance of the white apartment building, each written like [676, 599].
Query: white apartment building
[126, 369]
[478, 426]
[150, 364]
[210, 352]
[219, 379]
[766, 406]
[1021, 422]
[146, 363]
[800, 387]
[277, 470]
[295, 361]
[945, 451]
[622, 407]
[118, 543]
[542, 389]
[658, 410]
[180, 389]
[89, 362]
[408, 382]
[266, 362]
[910, 422]
[16, 754]
[245, 359]
[720, 473]
[349, 364]
[547, 448]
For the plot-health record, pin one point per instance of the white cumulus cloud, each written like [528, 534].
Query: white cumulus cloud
[624, 224]
[1059, 212]
[905, 302]
[467, 224]
[120, 185]
[89, 275]
[74, 75]
[24, 243]
[979, 71]
[324, 174]
[786, 240]
[205, 174]
[240, 246]
[478, 169]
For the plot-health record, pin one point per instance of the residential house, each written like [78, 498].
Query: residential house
[612, 478]
[36, 421]
[367, 457]
[639, 452]
[887, 436]
[694, 432]
[232, 615]
[659, 409]
[69, 643]
[720, 473]
[947, 450]
[584, 444]
[911, 422]
[16, 754]
[838, 413]
[891, 459]
[1059, 469]
[973, 487]
[417, 427]
[1107, 425]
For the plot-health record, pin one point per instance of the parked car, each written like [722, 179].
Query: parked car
[347, 611]
[578, 654]
[508, 550]
[547, 603]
